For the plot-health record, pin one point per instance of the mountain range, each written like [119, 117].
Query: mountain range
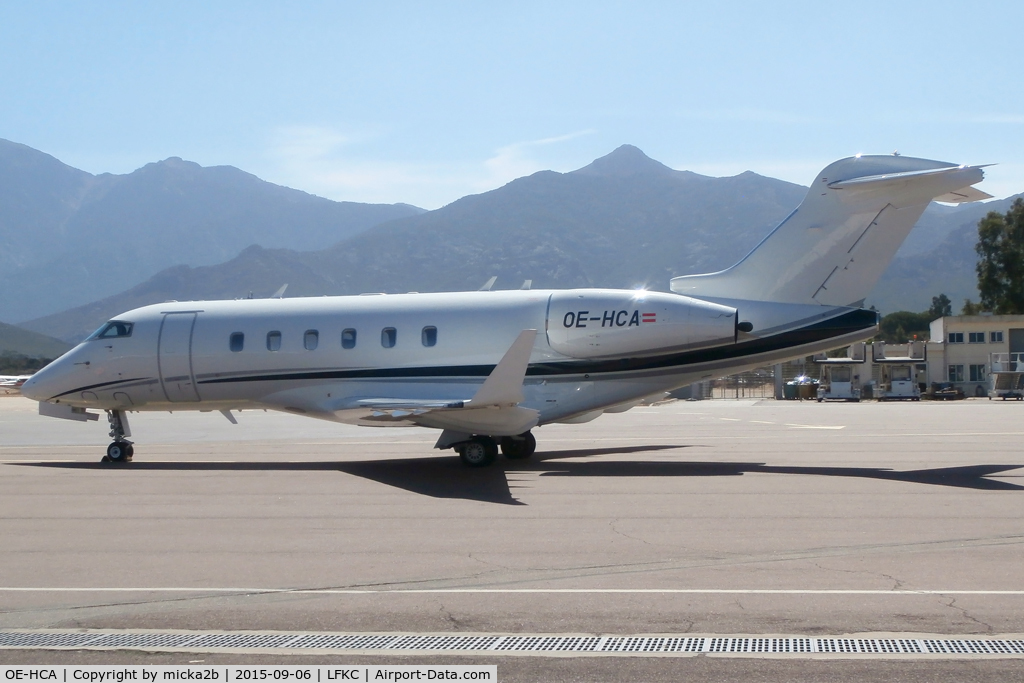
[624, 220]
[68, 237]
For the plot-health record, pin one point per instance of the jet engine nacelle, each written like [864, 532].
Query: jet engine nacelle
[594, 323]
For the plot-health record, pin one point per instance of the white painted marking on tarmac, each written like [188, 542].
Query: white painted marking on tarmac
[762, 422]
[582, 591]
[796, 426]
[730, 419]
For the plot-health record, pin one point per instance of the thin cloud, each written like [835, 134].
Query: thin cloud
[516, 160]
[316, 159]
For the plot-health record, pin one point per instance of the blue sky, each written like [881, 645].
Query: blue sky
[427, 102]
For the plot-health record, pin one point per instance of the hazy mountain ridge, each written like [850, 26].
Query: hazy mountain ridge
[69, 237]
[17, 340]
[948, 267]
[624, 220]
[623, 223]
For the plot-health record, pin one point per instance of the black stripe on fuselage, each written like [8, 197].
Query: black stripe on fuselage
[846, 323]
[97, 386]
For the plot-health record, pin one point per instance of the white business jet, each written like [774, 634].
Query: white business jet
[10, 385]
[487, 367]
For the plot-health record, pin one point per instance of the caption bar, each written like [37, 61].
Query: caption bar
[240, 674]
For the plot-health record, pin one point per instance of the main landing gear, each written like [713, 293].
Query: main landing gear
[481, 451]
[121, 450]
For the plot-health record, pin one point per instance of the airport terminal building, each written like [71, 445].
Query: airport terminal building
[961, 347]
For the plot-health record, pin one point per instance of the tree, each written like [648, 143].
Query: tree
[899, 327]
[941, 306]
[971, 308]
[1000, 267]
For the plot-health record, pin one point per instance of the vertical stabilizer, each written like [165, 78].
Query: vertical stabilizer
[833, 249]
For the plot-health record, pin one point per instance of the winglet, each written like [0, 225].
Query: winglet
[504, 386]
[486, 287]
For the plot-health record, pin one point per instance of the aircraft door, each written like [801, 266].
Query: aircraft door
[174, 357]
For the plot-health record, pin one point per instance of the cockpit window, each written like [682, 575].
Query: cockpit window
[115, 328]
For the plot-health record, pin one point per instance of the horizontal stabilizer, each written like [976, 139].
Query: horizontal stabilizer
[967, 194]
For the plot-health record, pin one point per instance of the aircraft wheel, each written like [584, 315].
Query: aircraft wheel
[519, 447]
[119, 451]
[480, 451]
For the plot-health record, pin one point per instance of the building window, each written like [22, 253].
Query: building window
[310, 339]
[956, 373]
[429, 336]
[237, 342]
[995, 337]
[273, 341]
[388, 336]
[975, 337]
[956, 337]
[348, 338]
[977, 373]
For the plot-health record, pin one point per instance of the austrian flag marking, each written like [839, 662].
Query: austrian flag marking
[649, 317]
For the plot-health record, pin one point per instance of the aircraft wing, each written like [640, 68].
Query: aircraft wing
[493, 410]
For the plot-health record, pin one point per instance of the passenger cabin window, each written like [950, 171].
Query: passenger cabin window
[348, 338]
[388, 336]
[113, 329]
[429, 336]
[237, 341]
[311, 339]
[273, 341]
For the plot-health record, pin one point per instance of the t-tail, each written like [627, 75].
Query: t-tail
[834, 247]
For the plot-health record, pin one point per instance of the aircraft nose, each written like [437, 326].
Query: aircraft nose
[35, 388]
[46, 383]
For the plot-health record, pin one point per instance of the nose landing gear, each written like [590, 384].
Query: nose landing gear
[121, 450]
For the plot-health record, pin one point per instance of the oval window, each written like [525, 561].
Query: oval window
[348, 338]
[429, 336]
[311, 339]
[388, 336]
[273, 341]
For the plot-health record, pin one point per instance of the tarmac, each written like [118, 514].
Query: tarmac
[755, 517]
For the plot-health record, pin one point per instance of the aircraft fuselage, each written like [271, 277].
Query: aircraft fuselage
[595, 350]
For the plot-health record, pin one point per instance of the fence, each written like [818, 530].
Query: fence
[759, 383]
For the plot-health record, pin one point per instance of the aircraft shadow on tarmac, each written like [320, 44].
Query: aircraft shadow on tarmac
[446, 477]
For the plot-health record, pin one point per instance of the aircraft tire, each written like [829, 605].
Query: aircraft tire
[519, 448]
[119, 452]
[480, 451]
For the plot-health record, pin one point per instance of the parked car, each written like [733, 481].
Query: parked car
[945, 391]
